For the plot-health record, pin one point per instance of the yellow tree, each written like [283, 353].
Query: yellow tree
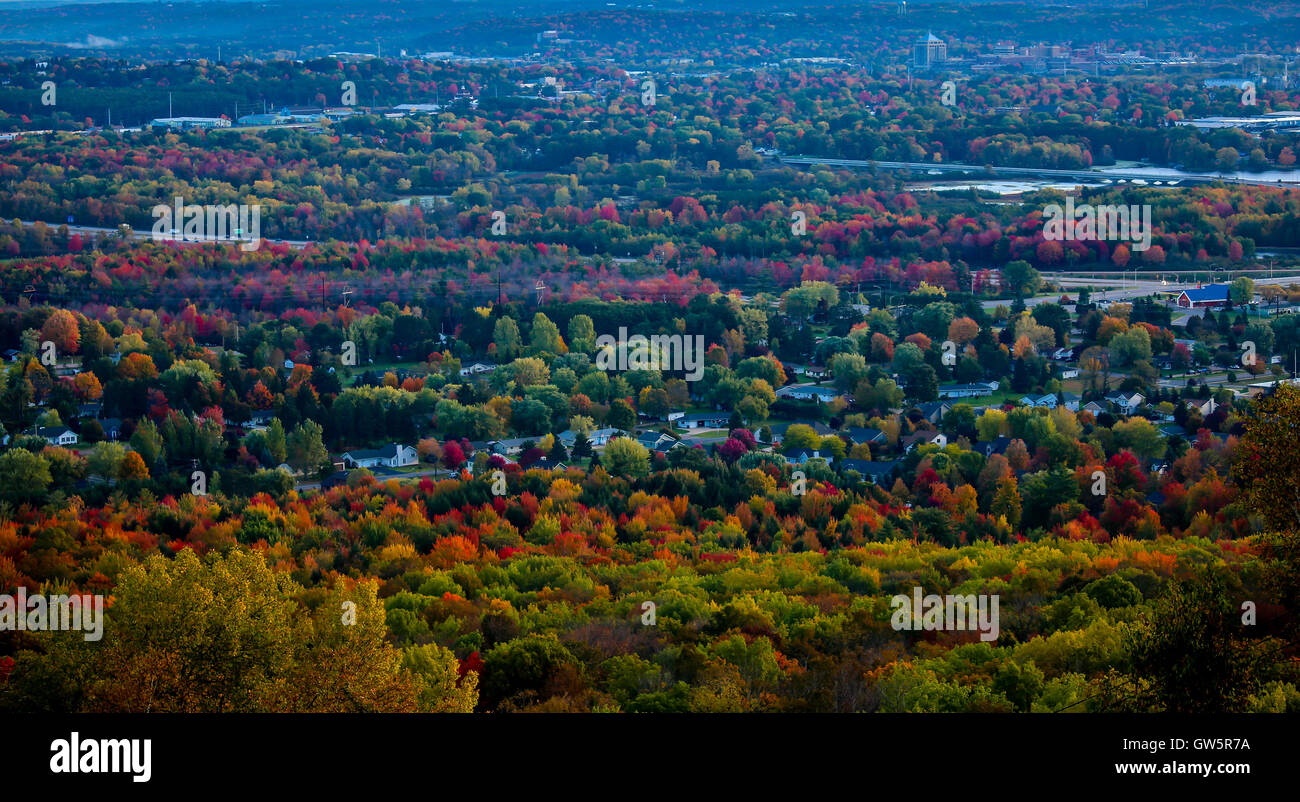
[1268, 462]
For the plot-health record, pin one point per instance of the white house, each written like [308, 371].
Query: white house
[703, 420]
[597, 437]
[1126, 403]
[393, 455]
[808, 392]
[967, 390]
[1046, 401]
[924, 438]
[511, 445]
[58, 435]
[477, 369]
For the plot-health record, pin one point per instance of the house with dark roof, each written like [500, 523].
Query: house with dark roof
[334, 480]
[800, 456]
[923, 438]
[1126, 403]
[933, 411]
[1045, 401]
[112, 427]
[657, 441]
[509, 445]
[967, 390]
[857, 435]
[393, 455]
[58, 435]
[703, 420]
[876, 472]
[988, 448]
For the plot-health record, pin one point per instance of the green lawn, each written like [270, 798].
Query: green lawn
[996, 399]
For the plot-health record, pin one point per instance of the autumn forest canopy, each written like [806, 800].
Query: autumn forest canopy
[388, 461]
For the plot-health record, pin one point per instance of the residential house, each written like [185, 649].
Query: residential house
[1173, 430]
[1126, 403]
[879, 473]
[814, 371]
[58, 435]
[477, 368]
[112, 427]
[974, 390]
[808, 392]
[934, 411]
[657, 441]
[596, 437]
[509, 446]
[990, 447]
[1046, 401]
[393, 455]
[703, 420]
[800, 456]
[923, 438]
[1070, 401]
[334, 480]
[857, 435]
[1094, 408]
[1205, 406]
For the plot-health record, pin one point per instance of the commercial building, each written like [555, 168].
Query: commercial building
[188, 123]
[1212, 296]
[929, 52]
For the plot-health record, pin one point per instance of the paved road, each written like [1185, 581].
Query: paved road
[1093, 175]
[1121, 289]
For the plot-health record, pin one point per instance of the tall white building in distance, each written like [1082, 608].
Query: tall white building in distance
[928, 52]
